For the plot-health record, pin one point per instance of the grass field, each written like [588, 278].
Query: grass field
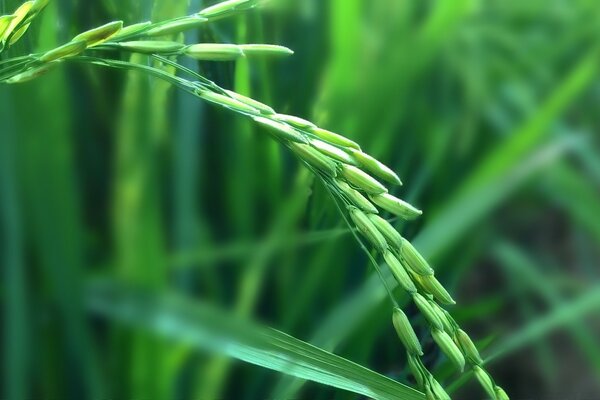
[156, 246]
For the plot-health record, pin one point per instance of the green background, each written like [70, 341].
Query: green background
[488, 111]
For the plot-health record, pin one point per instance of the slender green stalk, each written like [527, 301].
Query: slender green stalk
[352, 177]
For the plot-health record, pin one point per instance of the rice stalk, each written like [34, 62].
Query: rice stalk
[351, 176]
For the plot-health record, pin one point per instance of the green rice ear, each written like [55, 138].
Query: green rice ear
[367, 229]
[225, 7]
[281, 131]
[214, 52]
[152, 46]
[362, 180]
[175, 26]
[66, 50]
[18, 24]
[405, 332]
[100, 34]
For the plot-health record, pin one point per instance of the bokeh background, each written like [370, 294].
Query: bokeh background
[488, 110]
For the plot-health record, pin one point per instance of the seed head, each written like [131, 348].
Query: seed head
[226, 101]
[294, 121]
[16, 23]
[32, 73]
[225, 7]
[391, 235]
[132, 30]
[399, 272]
[265, 50]
[66, 50]
[19, 34]
[152, 46]
[100, 34]
[362, 180]
[334, 138]
[214, 52]
[314, 158]
[376, 167]
[468, 347]
[263, 108]
[332, 151]
[443, 316]
[438, 390]
[38, 6]
[5, 21]
[177, 26]
[396, 206]
[485, 381]
[405, 332]
[434, 287]
[367, 229]
[449, 348]
[500, 393]
[416, 368]
[281, 131]
[413, 259]
[427, 311]
[356, 198]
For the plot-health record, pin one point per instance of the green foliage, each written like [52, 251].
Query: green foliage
[485, 109]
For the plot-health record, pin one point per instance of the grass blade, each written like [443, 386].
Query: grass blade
[213, 329]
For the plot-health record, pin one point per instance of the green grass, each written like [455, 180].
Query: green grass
[485, 110]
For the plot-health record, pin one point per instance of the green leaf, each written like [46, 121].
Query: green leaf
[215, 330]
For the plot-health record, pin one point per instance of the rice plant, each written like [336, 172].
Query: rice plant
[351, 180]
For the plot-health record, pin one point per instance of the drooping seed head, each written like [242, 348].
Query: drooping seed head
[265, 50]
[18, 34]
[152, 46]
[438, 390]
[429, 395]
[376, 167]
[413, 259]
[334, 138]
[362, 180]
[449, 348]
[214, 52]
[66, 50]
[132, 30]
[356, 198]
[399, 272]
[32, 73]
[314, 158]
[296, 122]
[17, 25]
[225, 7]
[443, 316]
[38, 6]
[100, 34]
[367, 229]
[396, 206]
[416, 369]
[435, 288]
[226, 101]
[405, 332]
[485, 381]
[500, 393]
[391, 235]
[281, 131]
[5, 21]
[468, 347]
[176, 26]
[332, 151]
[263, 108]
[429, 314]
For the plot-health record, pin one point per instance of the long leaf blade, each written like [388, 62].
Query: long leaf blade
[212, 329]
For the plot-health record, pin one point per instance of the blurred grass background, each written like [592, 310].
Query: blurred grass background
[487, 110]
